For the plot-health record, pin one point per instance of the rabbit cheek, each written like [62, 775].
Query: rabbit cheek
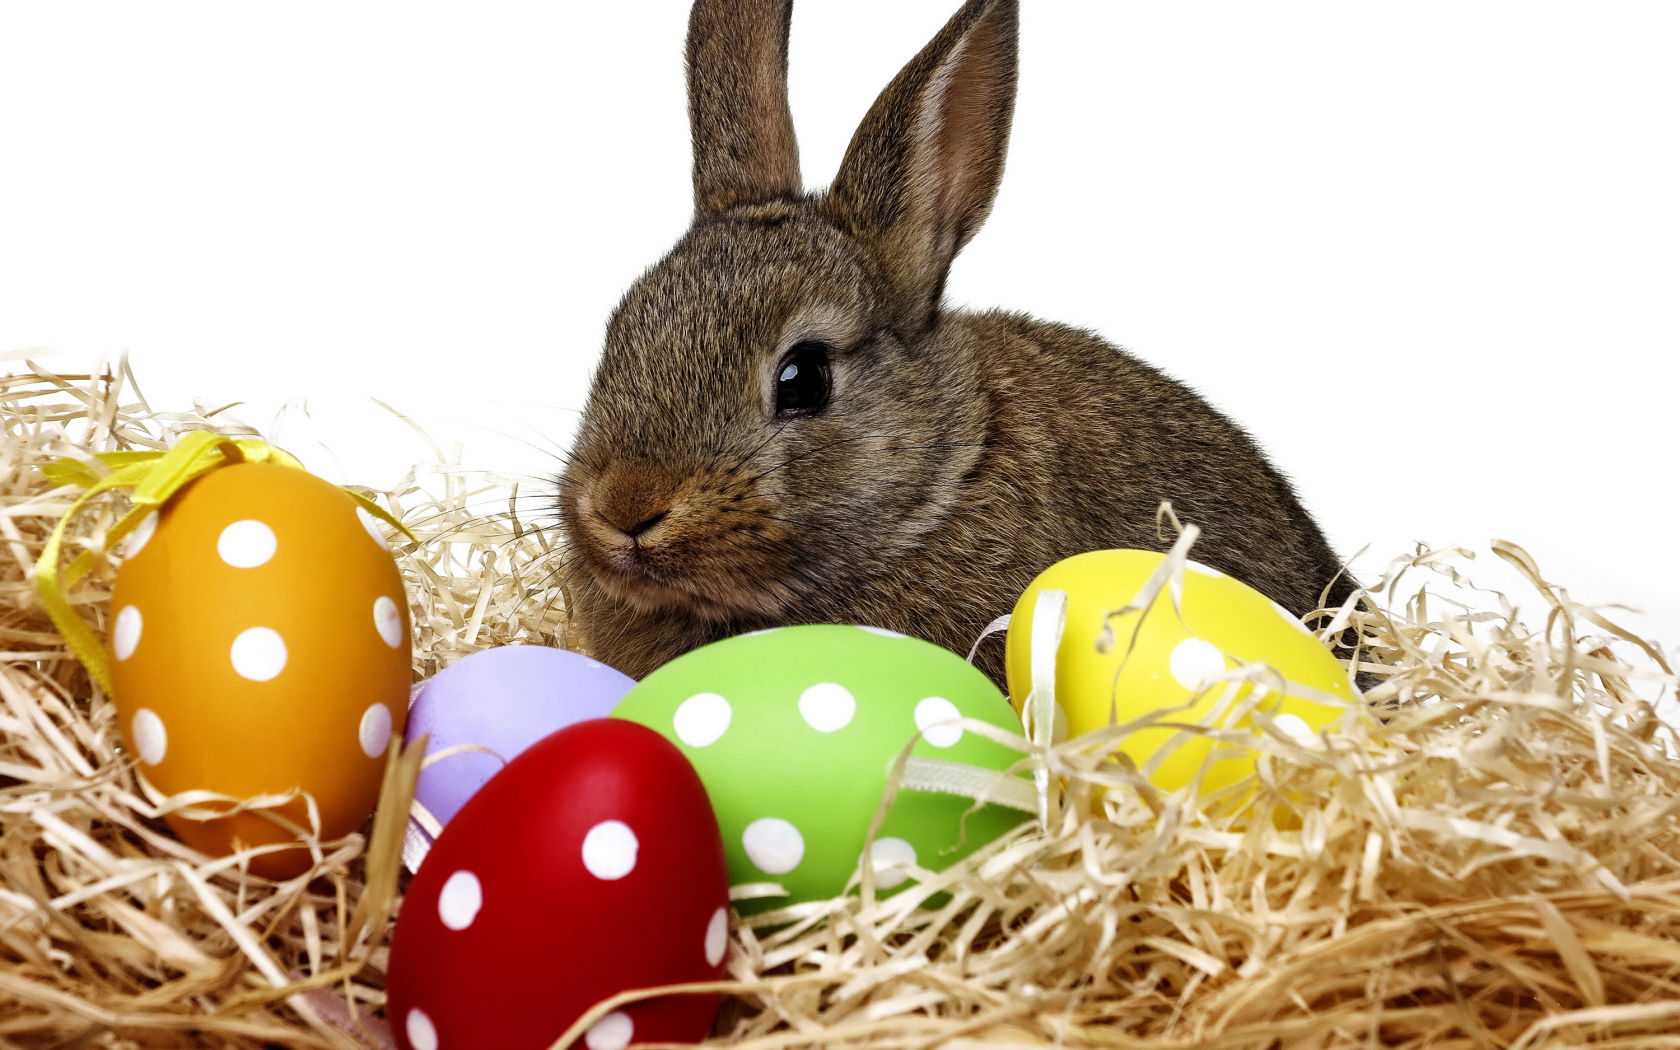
[722, 561]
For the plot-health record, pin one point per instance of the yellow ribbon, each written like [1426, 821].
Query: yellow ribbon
[154, 477]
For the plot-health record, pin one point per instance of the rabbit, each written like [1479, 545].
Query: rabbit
[786, 426]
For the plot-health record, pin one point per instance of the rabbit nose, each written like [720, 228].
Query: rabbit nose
[640, 527]
[633, 498]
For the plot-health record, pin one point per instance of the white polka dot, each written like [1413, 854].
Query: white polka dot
[889, 857]
[1293, 620]
[387, 620]
[773, 845]
[701, 719]
[375, 730]
[1195, 663]
[136, 541]
[609, 850]
[882, 631]
[612, 1032]
[933, 711]
[150, 737]
[717, 936]
[373, 527]
[1205, 570]
[259, 654]
[422, 1035]
[126, 635]
[246, 544]
[1295, 728]
[827, 707]
[460, 899]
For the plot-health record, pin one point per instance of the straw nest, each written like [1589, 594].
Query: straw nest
[1492, 863]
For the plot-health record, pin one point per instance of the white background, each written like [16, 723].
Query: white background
[1427, 252]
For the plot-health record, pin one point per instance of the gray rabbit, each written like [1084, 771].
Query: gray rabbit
[787, 427]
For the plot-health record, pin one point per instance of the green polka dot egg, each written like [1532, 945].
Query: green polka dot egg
[1175, 662]
[793, 731]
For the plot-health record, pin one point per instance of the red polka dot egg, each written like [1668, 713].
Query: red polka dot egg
[259, 646]
[590, 865]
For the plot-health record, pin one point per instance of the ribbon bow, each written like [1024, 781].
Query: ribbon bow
[154, 477]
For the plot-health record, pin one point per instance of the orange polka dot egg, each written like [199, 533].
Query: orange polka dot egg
[260, 645]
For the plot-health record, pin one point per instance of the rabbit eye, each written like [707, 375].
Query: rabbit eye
[802, 382]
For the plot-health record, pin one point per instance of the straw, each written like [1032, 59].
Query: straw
[1488, 856]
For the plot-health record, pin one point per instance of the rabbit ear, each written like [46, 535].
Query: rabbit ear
[744, 148]
[921, 172]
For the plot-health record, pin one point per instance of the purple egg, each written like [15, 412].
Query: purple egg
[504, 699]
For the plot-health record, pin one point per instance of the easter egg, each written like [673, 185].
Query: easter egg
[590, 865]
[1172, 661]
[259, 645]
[793, 731]
[487, 707]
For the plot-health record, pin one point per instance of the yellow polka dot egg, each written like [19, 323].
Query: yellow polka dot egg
[259, 645]
[1157, 660]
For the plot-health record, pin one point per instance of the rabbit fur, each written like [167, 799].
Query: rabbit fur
[958, 453]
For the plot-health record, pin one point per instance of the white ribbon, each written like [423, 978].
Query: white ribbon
[999, 624]
[1049, 621]
[959, 778]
